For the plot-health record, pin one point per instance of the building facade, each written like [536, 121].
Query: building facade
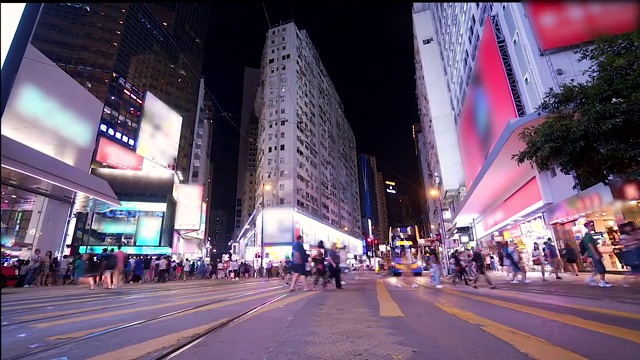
[498, 60]
[367, 171]
[248, 150]
[393, 210]
[306, 151]
[383, 214]
[144, 63]
[428, 215]
[155, 47]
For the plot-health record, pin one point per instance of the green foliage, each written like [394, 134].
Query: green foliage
[592, 128]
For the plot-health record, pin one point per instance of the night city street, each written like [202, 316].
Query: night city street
[375, 317]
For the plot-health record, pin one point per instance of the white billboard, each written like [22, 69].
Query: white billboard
[10, 13]
[159, 135]
[189, 206]
[61, 124]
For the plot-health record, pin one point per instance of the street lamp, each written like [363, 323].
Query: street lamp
[435, 193]
[265, 187]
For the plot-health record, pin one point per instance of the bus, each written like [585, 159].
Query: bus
[405, 254]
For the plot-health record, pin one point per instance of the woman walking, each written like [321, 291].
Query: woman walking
[300, 263]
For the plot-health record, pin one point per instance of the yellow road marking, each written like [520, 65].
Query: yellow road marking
[532, 346]
[628, 334]
[152, 307]
[74, 311]
[81, 333]
[139, 350]
[285, 301]
[635, 316]
[388, 307]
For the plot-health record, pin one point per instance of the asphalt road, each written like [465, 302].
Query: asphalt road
[372, 318]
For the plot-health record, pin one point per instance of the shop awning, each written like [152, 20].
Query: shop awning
[500, 175]
[20, 159]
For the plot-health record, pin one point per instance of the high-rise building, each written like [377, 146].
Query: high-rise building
[405, 209]
[306, 178]
[393, 210]
[486, 67]
[248, 150]
[383, 214]
[439, 153]
[155, 47]
[426, 217]
[367, 171]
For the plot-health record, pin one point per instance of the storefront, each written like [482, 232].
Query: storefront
[597, 203]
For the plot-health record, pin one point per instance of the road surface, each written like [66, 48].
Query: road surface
[372, 318]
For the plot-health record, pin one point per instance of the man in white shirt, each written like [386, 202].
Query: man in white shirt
[163, 266]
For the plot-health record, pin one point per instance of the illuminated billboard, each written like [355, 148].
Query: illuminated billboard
[11, 14]
[488, 107]
[61, 124]
[559, 24]
[117, 156]
[159, 135]
[189, 206]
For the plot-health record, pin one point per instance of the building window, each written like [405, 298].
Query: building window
[281, 201]
[281, 111]
[269, 161]
[271, 61]
[284, 88]
[282, 187]
[282, 122]
[282, 147]
[284, 47]
[269, 148]
[281, 160]
[282, 135]
[284, 67]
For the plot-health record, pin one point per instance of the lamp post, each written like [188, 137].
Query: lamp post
[265, 187]
[435, 193]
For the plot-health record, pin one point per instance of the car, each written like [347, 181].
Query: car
[9, 276]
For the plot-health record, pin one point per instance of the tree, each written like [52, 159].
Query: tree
[592, 128]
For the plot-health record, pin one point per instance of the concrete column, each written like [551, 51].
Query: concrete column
[48, 224]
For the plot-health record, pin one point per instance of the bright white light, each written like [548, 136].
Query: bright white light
[10, 17]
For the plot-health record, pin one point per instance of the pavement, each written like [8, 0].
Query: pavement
[374, 317]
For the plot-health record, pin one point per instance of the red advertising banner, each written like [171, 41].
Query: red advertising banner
[565, 23]
[117, 156]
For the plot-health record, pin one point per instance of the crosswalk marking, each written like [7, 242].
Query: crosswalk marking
[82, 333]
[628, 334]
[141, 349]
[625, 314]
[388, 307]
[133, 310]
[530, 345]
[279, 303]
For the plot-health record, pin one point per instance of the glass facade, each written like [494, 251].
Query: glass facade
[118, 51]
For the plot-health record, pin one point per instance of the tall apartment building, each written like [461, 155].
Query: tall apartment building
[489, 65]
[306, 148]
[156, 47]
[393, 210]
[440, 158]
[248, 150]
[405, 209]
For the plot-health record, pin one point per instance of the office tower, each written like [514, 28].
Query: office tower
[426, 217]
[383, 214]
[110, 48]
[393, 211]
[248, 150]
[307, 174]
[367, 171]
[407, 215]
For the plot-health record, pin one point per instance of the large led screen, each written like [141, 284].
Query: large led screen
[148, 231]
[11, 14]
[277, 225]
[61, 124]
[159, 135]
[189, 206]
[487, 109]
[117, 156]
[565, 23]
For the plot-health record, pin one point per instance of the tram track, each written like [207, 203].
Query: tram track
[44, 304]
[57, 345]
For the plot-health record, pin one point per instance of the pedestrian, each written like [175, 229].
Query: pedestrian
[630, 239]
[596, 257]
[570, 257]
[479, 259]
[333, 258]
[436, 269]
[299, 265]
[537, 259]
[553, 257]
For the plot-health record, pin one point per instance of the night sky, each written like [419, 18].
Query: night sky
[367, 50]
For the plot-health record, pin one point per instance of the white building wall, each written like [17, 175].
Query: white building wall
[306, 148]
[436, 115]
